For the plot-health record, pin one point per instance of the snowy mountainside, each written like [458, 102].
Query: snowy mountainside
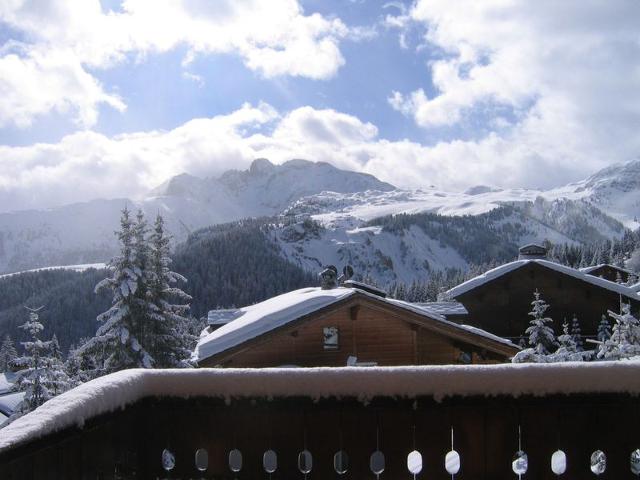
[341, 201]
[83, 232]
[405, 246]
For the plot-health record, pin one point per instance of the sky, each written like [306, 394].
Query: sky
[105, 99]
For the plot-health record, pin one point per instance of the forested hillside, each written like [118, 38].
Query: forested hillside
[235, 265]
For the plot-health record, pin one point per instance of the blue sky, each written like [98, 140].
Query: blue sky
[416, 92]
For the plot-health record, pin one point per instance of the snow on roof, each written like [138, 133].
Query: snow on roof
[444, 308]
[222, 316]
[635, 287]
[511, 266]
[276, 312]
[6, 382]
[115, 391]
[9, 402]
[263, 317]
[596, 267]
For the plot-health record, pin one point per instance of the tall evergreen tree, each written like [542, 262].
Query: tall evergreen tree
[8, 354]
[541, 336]
[171, 341]
[116, 344]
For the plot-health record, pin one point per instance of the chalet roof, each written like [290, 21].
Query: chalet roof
[597, 267]
[6, 382]
[116, 391]
[222, 316]
[444, 308]
[635, 287]
[511, 266]
[9, 402]
[276, 312]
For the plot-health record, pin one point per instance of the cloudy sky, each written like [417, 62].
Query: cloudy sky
[109, 98]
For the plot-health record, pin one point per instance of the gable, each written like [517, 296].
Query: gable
[370, 330]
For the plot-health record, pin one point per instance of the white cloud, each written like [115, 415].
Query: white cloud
[567, 70]
[63, 39]
[88, 165]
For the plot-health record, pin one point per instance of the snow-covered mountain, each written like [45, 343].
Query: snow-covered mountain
[341, 203]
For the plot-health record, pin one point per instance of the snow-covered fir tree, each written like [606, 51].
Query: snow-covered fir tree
[576, 334]
[42, 376]
[604, 329]
[567, 349]
[56, 352]
[171, 342]
[8, 354]
[625, 337]
[116, 345]
[541, 336]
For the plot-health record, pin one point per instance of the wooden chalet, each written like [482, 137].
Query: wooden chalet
[499, 300]
[349, 423]
[347, 325]
[613, 273]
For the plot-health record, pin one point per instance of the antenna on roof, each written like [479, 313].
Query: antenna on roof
[347, 273]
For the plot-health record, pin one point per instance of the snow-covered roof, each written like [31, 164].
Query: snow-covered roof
[511, 266]
[635, 287]
[596, 267]
[6, 382]
[10, 401]
[444, 308]
[222, 316]
[115, 391]
[263, 317]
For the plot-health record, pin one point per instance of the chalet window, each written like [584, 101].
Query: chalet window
[331, 338]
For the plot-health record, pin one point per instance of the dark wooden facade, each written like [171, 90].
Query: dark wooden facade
[127, 444]
[374, 331]
[501, 305]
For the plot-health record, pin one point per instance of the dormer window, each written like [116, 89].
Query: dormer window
[331, 338]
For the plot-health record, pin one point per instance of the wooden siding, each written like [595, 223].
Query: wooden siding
[365, 331]
[502, 305]
[130, 442]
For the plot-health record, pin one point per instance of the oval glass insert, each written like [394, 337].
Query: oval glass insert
[168, 460]
[635, 462]
[376, 462]
[452, 462]
[414, 462]
[598, 462]
[235, 460]
[341, 462]
[202, 459]
[305, 461]
[558, 462]
[270, 461]
[520, 463]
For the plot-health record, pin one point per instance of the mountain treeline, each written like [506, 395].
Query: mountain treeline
[479, 239]
[235, 264]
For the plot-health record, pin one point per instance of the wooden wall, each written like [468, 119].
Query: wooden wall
[365, 332]
[128, 444]
[501, 306]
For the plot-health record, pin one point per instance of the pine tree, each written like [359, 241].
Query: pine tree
[171, 341]
[541, 336]
[116, 344]
[567, 349]
[8, 354]
[41, 377]
[604, 330]
[56, 352]
[625, 338]
[576, 334]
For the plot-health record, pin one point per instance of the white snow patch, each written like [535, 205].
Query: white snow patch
[75, 268]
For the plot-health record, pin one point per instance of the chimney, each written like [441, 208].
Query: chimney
[532, 251]
[329, 278]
